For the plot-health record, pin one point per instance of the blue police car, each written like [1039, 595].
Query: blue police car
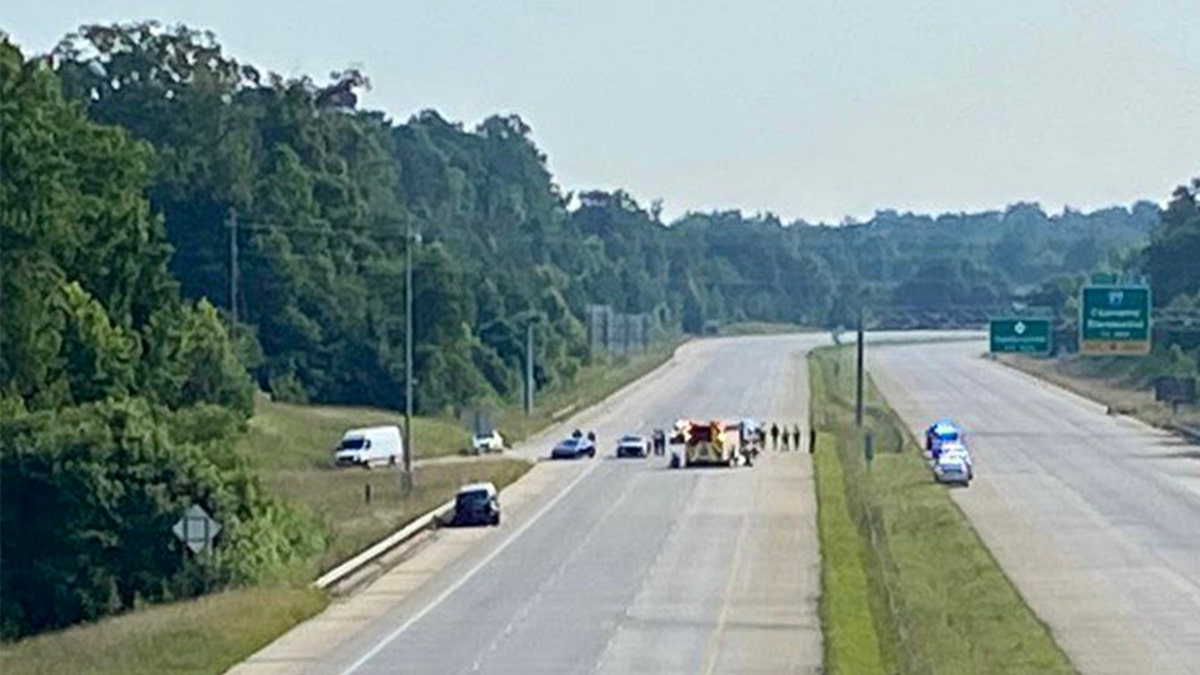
[941, 432]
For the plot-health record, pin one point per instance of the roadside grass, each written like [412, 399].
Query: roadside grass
[339, 498]
[940, 602]
[1123, 383]
[290, 446]
[291, 436]
[764, 328]
[206, 635]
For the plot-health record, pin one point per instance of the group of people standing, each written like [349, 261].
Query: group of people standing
[780, 437]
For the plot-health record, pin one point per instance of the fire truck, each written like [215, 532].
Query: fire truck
[713, 443]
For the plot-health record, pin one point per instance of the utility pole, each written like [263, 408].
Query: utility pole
[858, 376]
[529, 368]
[408, 354]
[232, 222]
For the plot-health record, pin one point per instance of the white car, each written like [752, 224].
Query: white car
[489, 442]
[957, 449]
[953, 465]
[633, 446]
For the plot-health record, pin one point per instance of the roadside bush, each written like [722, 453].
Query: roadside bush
[88, 497]
[190, 359]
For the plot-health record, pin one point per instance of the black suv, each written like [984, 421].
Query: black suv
[477, 504]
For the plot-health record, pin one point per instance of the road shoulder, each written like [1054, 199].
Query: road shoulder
[1036, 526]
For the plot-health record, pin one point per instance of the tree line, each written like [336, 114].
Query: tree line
[137, 158]
[324, 193]
[119, 397]
[1168, 260]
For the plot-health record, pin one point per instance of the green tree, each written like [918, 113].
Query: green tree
[88, 497]
[1171, 258]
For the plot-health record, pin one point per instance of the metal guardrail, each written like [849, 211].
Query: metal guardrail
[383, 546]
[1191, 432]
[560, 415]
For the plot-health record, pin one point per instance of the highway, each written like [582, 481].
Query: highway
[611, 566]
[1096, 519]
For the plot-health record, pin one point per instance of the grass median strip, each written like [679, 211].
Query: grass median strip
[938, 601]
[852, 640]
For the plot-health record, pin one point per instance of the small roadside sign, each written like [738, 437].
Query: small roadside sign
[1019, 336]
[196, 529]
[1175, 390]
[1114, 320]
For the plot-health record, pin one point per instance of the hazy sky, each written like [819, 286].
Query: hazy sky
[811, 109]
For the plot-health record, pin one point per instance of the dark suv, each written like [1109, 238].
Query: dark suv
[477, 504]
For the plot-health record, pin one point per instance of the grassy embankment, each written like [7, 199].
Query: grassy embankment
[764, 328]
[593, 383]
[206, 635]
[907, 585]
[1124, 383]
[289, 446]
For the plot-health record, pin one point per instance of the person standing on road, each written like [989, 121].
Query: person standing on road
[775, 436]
[796, 436]
[784, 437]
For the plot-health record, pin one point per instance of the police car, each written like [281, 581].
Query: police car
[939, 433]
[953, 464]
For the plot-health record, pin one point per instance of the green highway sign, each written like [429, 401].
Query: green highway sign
[1019, 336]
[1114, 320]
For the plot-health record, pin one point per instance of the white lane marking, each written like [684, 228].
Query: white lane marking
[379, 646]
[713, 651]
[534, 600]
[652, 572]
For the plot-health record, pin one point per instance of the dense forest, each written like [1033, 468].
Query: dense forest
[324, 193]
[179, 229]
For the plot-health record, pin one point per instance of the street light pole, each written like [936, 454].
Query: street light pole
[858, 374]
[408, 354]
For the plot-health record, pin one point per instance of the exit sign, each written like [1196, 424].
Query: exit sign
[1019, 336]
[1114, 320]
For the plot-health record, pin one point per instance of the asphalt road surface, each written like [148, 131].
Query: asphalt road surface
[1096, 519]
[607, 565]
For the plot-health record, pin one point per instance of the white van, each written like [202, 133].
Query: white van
[370, 446]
